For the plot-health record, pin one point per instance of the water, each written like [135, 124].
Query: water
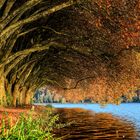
[128, 111]
[93, 122]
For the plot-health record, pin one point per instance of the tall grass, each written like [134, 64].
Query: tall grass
[30, 127]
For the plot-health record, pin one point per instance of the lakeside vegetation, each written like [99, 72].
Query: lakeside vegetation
[30, 126]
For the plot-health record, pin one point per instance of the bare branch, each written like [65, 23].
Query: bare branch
[14, 64]
[29, 51]
[18, 12]
[76, 85]
[56, 32]
[14, 39]
[9, 5]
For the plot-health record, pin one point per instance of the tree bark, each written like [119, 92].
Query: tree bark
[21, 97]
[15, 95]
[2, 88]
[28, 96]
[2, 91]
[6, 33]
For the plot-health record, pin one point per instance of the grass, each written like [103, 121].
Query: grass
[30, 127]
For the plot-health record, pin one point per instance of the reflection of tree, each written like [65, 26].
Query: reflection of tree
[87, 125]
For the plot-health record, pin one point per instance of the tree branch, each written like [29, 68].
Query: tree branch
[9, 5]
[18, 12]
[2, 2]
[13, 41]
[76, 85]
[12, 28]
[14, 64]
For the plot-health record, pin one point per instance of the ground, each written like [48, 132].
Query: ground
[13, 114]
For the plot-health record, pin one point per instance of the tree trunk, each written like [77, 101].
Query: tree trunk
[21, 97]
[2, 91]
[16, 94]
[9, 94]
[28, 96]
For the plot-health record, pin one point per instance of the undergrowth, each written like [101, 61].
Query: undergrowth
[30, 127]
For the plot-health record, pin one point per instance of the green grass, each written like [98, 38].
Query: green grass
[30, 127]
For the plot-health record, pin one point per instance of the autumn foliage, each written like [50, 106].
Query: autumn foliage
[106, 33]
[78, 48]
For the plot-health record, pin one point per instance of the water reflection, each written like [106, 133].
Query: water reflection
[93, 126]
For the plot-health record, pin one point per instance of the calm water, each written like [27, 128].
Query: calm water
[93, 122]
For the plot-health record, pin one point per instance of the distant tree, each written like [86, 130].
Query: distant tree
[62, 100]
[37, 95]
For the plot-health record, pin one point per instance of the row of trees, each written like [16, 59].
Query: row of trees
[90, 47]
[21, 48]
[43, 95]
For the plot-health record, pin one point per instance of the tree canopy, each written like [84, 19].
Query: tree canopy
[79, 48]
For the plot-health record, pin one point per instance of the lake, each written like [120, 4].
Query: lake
[93, 122]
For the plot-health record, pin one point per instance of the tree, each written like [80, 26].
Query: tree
[16, 21]
[84, 46]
